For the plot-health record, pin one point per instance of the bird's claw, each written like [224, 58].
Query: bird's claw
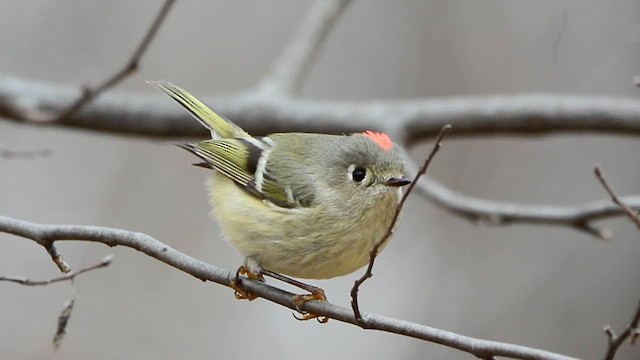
[300, 300]
[239, 293]
[304, 316]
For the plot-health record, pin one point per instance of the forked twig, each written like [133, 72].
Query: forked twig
[88, 93]
[376, 247]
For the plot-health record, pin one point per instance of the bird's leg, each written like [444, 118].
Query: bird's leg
[242, 294]
[315, 293]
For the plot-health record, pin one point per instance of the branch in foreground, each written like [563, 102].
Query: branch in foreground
[129, 68]
[288, 72]
[203, 271]
[580, 217]
[376, 247]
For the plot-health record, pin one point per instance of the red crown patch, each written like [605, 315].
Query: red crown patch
[379, 138]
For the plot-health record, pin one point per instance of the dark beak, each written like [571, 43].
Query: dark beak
[395, 182]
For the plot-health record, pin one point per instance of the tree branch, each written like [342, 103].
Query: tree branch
[580, 217]
[203, 271]
[410, 121]
[289, 71]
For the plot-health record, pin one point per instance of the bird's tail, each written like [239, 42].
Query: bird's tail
[219, 126]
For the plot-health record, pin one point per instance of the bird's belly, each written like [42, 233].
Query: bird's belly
[299, 243]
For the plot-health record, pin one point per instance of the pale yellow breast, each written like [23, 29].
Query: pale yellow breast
[308, 242]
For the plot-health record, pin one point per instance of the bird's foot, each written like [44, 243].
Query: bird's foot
[241, 294]
[300, 300]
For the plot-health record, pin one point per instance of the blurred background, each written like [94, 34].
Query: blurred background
[547, 287]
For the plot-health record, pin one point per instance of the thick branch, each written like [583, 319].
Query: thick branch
[156, 249]
[289, 71]
[410, 121]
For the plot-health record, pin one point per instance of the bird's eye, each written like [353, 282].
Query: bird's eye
[358, 174]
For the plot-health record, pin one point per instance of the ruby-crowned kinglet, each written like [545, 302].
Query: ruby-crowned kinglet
[304, 205]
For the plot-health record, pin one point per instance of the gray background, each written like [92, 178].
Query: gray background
[546, 287]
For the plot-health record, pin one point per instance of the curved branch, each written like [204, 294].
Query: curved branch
[580, 217]
[410, 121]
[203, 271]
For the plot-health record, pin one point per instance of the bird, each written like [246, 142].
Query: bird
[301, 205]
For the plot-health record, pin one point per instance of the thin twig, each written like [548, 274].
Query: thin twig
[203, 271]
[376, 247]
[88, 93]
[289, 71]
[631, 213]
[631, 331]
[70, 276]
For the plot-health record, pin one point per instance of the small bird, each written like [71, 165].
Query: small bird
[297, 204]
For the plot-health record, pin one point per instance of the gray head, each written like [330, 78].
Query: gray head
[368, 161]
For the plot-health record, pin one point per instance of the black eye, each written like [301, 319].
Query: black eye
[359, 174]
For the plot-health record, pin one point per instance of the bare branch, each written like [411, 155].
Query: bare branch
[380, 242]
[580, 217]
[409, 121]
[129, 68]
[631, 213]
[203, 271]
[631, 331]
[289, 71]
[70, 276]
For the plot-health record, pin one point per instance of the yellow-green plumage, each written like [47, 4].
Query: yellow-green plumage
[289, 202]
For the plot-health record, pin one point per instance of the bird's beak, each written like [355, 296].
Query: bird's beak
[397, 182]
